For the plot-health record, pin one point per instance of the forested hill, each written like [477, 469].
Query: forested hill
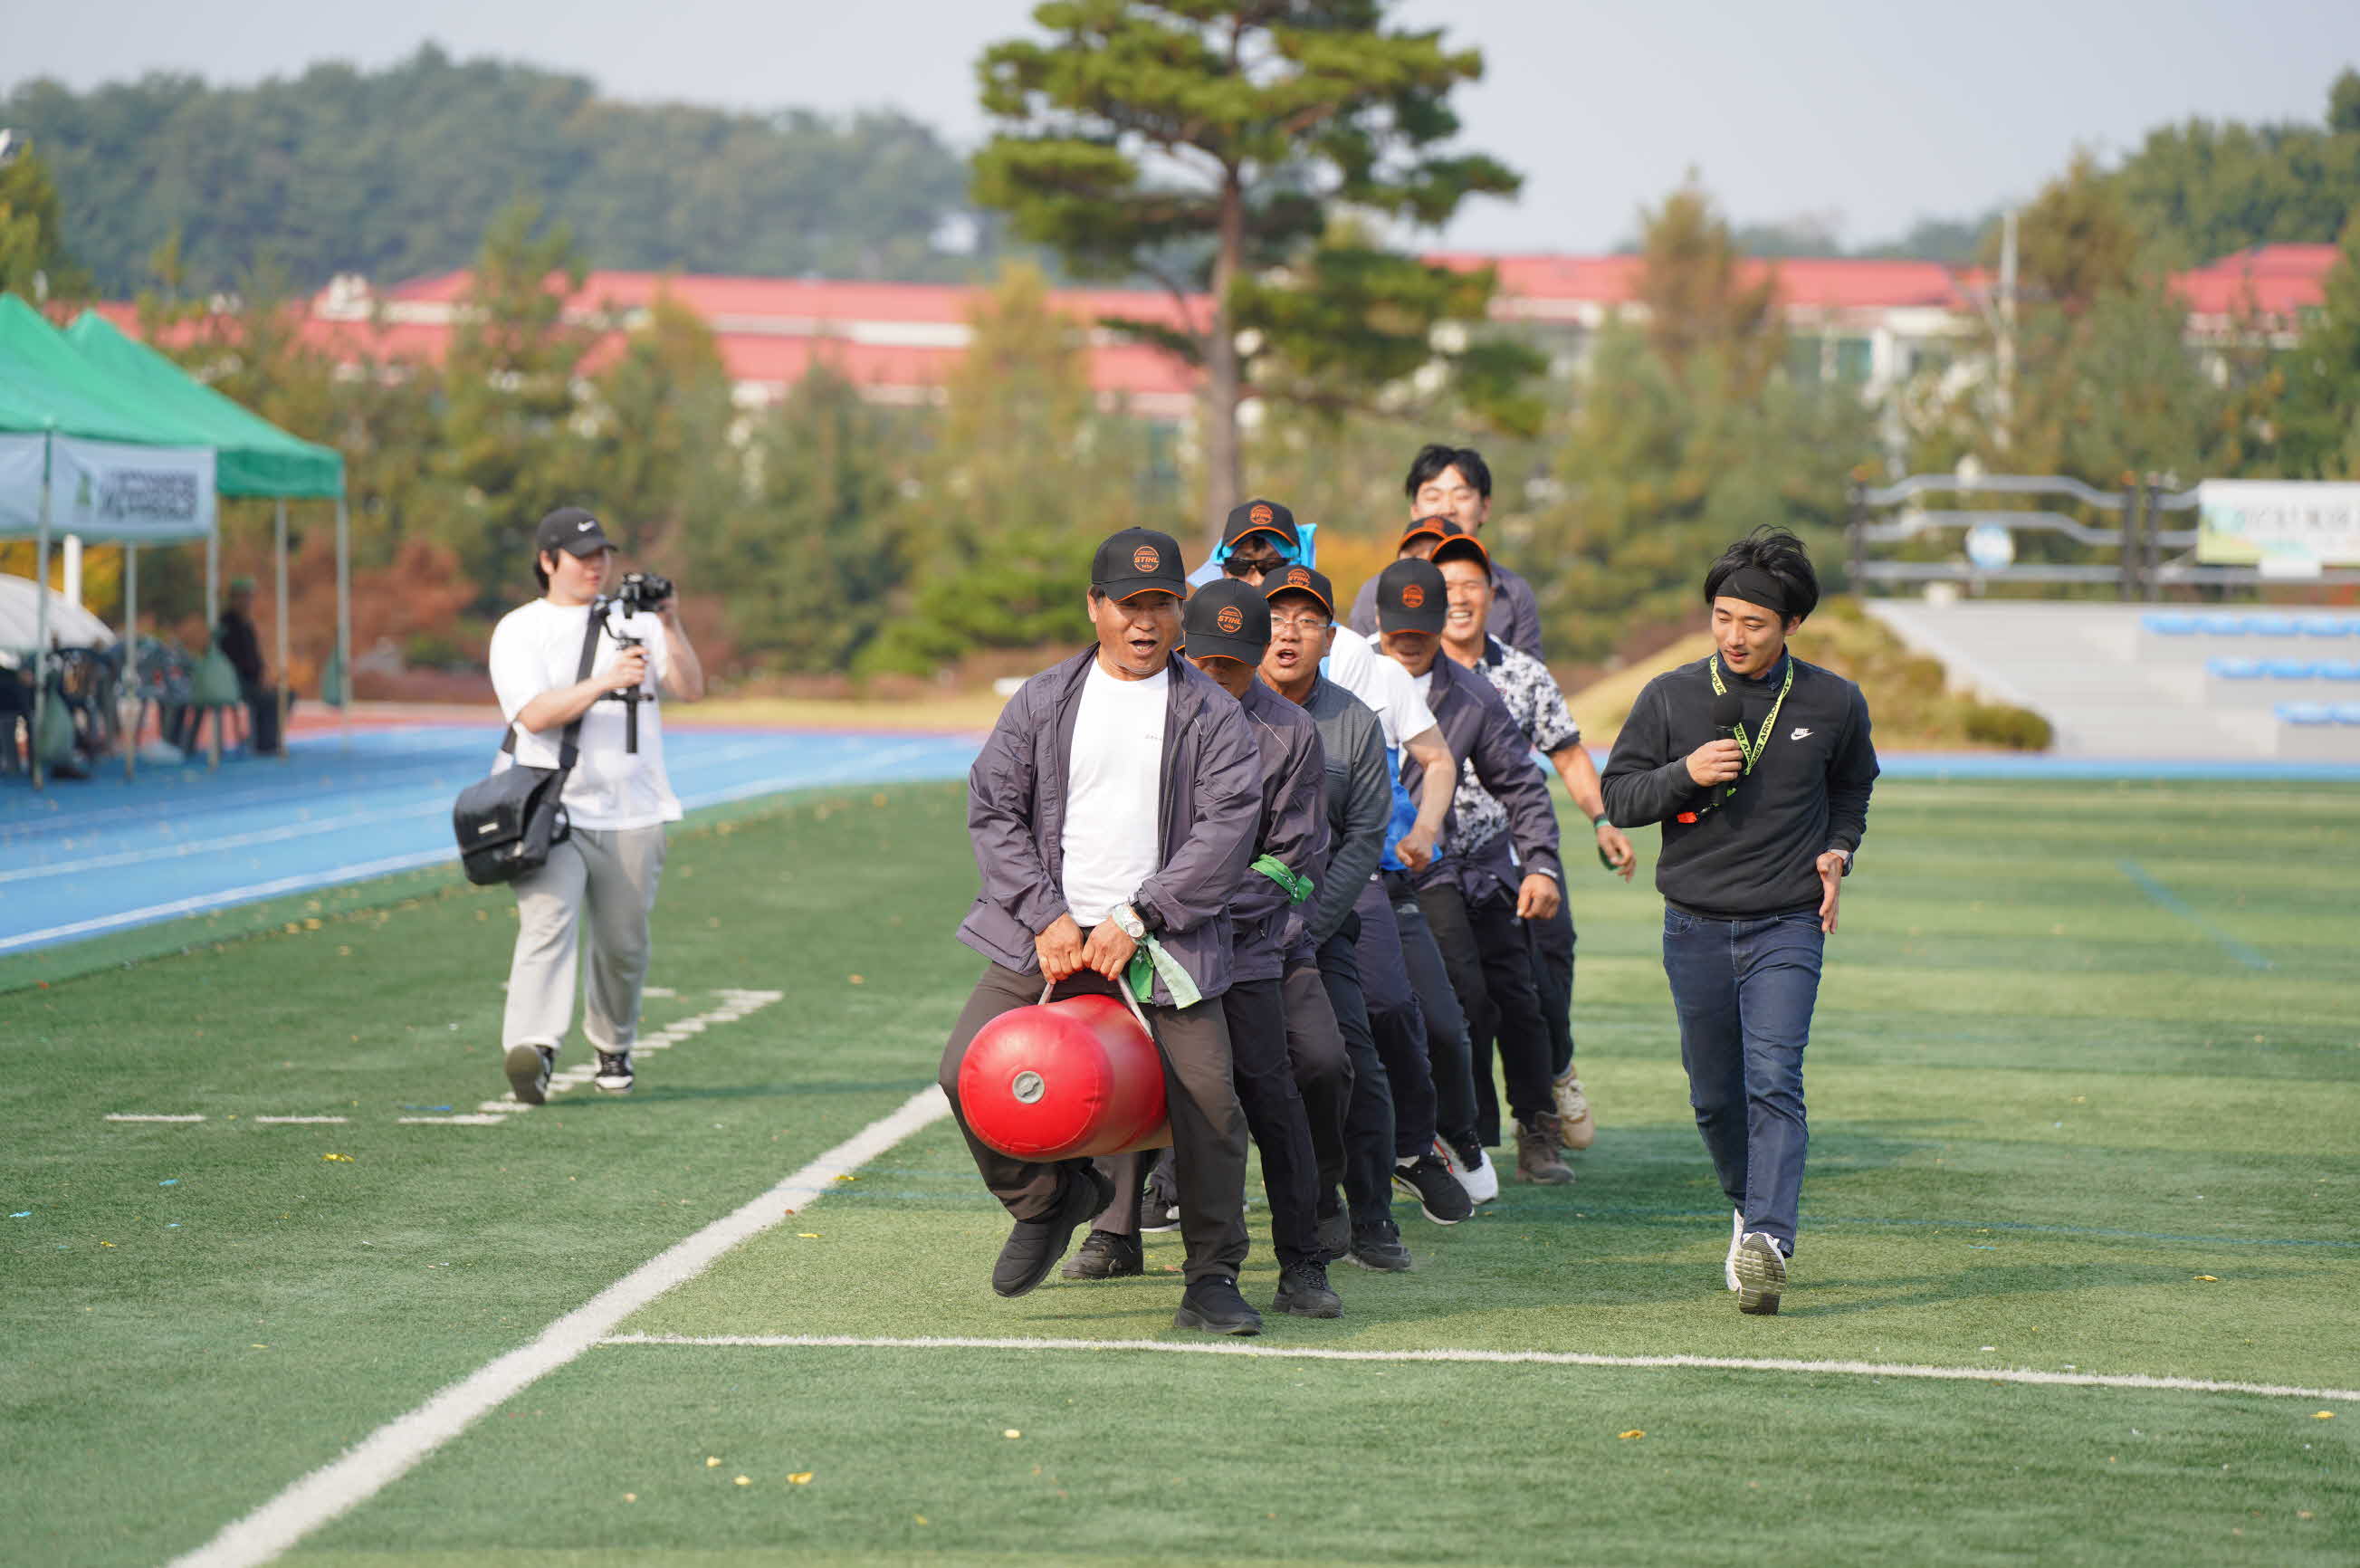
[395, 172]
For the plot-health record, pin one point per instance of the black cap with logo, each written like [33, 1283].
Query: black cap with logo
[1411, 597]
[1138, 561]
[1301, 580]
[1462, 547]
[1261, 517]
[1227, 617]
[571, 530]
[1431, 527]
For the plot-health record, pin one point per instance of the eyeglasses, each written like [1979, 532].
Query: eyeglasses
[1306, 624]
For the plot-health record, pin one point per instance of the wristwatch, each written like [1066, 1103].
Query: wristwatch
[1834, 850]
[1126, 920]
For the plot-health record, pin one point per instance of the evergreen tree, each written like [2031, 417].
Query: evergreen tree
[1204, 143]
[33, 259]
[2321, 417]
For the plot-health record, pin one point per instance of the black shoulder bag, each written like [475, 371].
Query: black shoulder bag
[507, 822]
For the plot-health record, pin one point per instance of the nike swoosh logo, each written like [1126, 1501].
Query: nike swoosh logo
[1798, 734]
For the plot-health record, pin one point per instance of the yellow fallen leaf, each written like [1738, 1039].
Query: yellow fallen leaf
[1012, 1432]
[630, 1496]
[855, 980]
[338, 1158]
[847, 1178]
[711, 1463]
[257, 1347]
[808, 1236]
[743, 1481]
[800, 1478]
[2210, 1278]
[1627, 1436]
[922, 1519]
[2322, 1415]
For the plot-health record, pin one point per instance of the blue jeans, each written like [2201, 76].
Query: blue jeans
[1744, 989]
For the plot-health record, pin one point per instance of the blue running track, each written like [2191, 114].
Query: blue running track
[83, 859]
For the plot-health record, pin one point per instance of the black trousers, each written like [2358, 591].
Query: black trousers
[1398, 1021]
[1322, 1066]
[1449, 1033]
[1208, 1126]
[1369, 1113]
[1491, 969]
[1552, 943]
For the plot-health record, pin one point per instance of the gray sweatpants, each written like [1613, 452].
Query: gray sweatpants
[611, 874]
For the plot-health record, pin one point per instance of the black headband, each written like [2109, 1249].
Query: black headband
[1755, 586]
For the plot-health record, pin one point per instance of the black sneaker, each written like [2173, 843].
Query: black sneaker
[1304, 1291]
[1159, 1203]
[614, 1072]
[1760, 1275]
[528, 1067]
[1438, 1193]
[1335, 1237]
[1033, 1246]
[1105, 1255]
[1378, 1247]
[1214, 1306]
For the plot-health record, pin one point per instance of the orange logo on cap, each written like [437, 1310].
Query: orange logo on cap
[1260, 516]
[1231, 620]
[1145, 558]
[1298, 578]
[1412, 595]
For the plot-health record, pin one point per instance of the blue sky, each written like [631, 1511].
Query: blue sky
[1873, 112]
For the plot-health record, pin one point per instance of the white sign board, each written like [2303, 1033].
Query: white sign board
[107, 491]
[2288, 528]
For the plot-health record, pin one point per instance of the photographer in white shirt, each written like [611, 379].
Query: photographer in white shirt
[617, 799]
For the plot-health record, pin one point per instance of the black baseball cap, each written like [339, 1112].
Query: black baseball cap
[1301, 580]
[1226, 617]
[1261, 517]
[1462, 547]
[1411, 597]
[571, 530]
[1426, 528]
[1138, 561]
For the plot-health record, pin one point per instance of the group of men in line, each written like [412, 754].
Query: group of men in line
[1323, 848]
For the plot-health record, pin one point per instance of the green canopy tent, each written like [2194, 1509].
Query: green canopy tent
[252, 457]
[82, 453]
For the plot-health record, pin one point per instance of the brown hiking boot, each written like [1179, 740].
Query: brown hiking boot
[1537, 1157]
[1573, 1111]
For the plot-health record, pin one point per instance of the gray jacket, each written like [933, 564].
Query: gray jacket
[1293, 831]
[1359, 801]
[1209, 806]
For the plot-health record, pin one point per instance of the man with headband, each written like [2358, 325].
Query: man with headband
[1759, 767]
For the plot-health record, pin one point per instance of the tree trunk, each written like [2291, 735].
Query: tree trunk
[1224, 466]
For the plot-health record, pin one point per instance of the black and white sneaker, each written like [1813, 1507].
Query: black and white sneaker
[528, 1067]
[1760, 1275]
[614, 1072]
[1438, 1193]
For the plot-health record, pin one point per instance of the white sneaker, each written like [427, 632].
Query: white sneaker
[1482, 1180]
[1736, 1235]
[614, 1075]
[1762, 1275]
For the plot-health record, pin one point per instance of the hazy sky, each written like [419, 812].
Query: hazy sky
[1874, 111]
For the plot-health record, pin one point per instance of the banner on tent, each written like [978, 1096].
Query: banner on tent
[108, 490]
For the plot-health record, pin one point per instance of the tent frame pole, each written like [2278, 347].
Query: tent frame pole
[41, 609]
[131, 662]
[282, 690]
[345, 618]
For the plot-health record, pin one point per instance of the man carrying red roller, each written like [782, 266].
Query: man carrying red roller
[1113, 811]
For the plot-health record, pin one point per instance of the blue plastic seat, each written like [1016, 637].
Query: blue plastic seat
[2234, 669]
[2305, 713]
[2347, 713]
[2326, 625]
[2287, 669]
[2221, 625]
[2170, 625]
[2270, 625]
[2337, 669]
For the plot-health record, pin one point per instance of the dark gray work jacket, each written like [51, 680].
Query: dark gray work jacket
[1293, 831]
[1208, 809]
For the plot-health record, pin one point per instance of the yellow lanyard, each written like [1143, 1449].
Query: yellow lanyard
[1752, 748]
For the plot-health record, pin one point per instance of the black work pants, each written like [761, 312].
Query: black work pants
[1208, 1126]
[1397, 1020]
[1322, 1066]
[1449, 1033]
[1369, 1114]
[1491, 969]
[1552, 943]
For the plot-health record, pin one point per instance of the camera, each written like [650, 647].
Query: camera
[642, 590]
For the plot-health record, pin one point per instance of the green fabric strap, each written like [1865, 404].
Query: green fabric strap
[1151, 961]
[1298, 886]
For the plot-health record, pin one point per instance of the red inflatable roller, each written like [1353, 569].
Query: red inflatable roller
[1065, 1079]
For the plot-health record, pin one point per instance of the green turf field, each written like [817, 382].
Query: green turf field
[2083, 1091]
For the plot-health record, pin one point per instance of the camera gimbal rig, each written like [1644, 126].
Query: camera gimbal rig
[638, 591]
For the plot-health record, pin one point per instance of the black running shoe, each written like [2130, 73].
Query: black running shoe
[1378, 1247]
[1033, 1246]
[1304, 1292]
[1214, 1306]
[528, 1067]
[1105, 1255]
[614, 1072]
[1335, 1237]
[1438, 1193]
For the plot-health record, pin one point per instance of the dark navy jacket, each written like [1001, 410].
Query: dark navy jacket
[1293, 829]
[1209, 807]
[1478, 729]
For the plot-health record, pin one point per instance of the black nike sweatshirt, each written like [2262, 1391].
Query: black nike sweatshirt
[1757, 853]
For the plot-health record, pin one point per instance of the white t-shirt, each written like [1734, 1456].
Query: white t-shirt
[537, 649]
[1113, 791]
[1361, 667]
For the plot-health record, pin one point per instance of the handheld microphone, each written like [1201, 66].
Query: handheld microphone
[1728, 713]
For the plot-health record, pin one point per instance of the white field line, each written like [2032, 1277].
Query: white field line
[467, 1119]
[388, 1452]
[1511, 1358]
[232, 841]
[204, 901]
[136, 1116]
[297, 1120]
